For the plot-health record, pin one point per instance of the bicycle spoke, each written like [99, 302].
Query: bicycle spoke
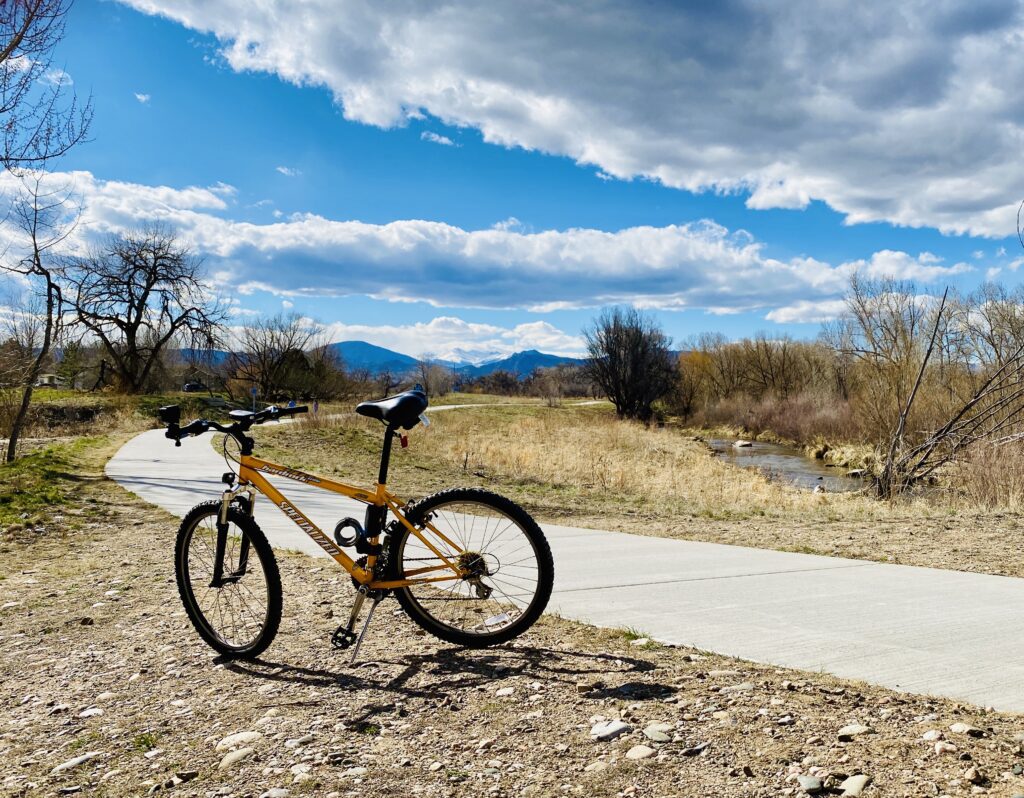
[493, 542]
[236, 611]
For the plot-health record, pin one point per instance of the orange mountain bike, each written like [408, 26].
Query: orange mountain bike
[469, 566]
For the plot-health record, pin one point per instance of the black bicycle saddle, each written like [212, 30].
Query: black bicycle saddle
[401, 410]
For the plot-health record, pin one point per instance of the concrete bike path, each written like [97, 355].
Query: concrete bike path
[920, 630]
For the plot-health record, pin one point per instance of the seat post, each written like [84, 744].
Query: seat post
[385, 455]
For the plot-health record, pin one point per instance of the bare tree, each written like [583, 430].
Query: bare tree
[137, 295]
[986, 404]
[690, 382]
[630, 360]
[20, 334]
[936, 377]
[40, 116]
[286, 357]
[436, 379]
[42, 215]
[326, 378]
[500, 382]
[388, 382]
[723, 364]
[884, 333]
[772, 365]
[267, 351]
[554, 383]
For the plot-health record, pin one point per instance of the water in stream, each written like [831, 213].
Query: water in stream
[787, 463]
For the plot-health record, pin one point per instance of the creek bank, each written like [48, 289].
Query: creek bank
[840, 455]
[789, 463]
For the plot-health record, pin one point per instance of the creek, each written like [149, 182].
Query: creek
[787, 464]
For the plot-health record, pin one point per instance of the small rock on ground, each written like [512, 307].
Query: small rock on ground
[237, 739]
[640, 752]
[853, 786]
[609, 730]
[234, 757]
[847, 733]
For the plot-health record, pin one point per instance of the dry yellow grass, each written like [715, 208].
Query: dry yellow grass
[588, 449]
[575, 460]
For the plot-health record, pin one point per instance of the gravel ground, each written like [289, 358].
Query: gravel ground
[106, 690]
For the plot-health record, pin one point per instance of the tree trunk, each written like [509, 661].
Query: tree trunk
[19, 423]
[30, 380]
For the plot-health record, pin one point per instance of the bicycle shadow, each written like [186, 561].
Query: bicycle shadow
[447, 671]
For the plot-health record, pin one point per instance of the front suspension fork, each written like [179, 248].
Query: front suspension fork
[221, 544]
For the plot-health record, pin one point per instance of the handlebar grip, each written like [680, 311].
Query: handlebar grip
[293, 411]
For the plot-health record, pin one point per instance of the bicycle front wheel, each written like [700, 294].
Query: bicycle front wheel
[238, 615]
[507, 561]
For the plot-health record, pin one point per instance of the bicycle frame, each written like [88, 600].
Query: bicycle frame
[251, 477]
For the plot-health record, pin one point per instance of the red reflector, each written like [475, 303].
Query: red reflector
[405, 441]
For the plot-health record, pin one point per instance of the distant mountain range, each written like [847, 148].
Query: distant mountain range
[522, 364]
[373, 358]
[377, 359]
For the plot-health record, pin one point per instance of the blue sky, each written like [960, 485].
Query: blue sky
[291, 123]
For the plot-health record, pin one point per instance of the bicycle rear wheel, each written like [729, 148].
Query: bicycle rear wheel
[238, 617]
[508, 560]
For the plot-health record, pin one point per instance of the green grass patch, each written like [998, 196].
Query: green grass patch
[38, 482]
[144, 742]
[631, 633]
[32, 483]
[86, 740]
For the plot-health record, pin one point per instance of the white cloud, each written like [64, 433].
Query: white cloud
[908, 114]
[808, 311]
[287, 304]
[437, 138]
[511, 223]
[56, 77]
[288, 171]
[901, 266]
[696, 265]
[452, 338]
[142, 98]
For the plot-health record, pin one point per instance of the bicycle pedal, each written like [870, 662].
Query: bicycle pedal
[343, 638]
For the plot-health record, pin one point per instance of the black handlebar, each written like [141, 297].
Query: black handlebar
[243, 420]
[274, 412]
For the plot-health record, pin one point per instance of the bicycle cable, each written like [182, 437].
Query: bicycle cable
[231, 459]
